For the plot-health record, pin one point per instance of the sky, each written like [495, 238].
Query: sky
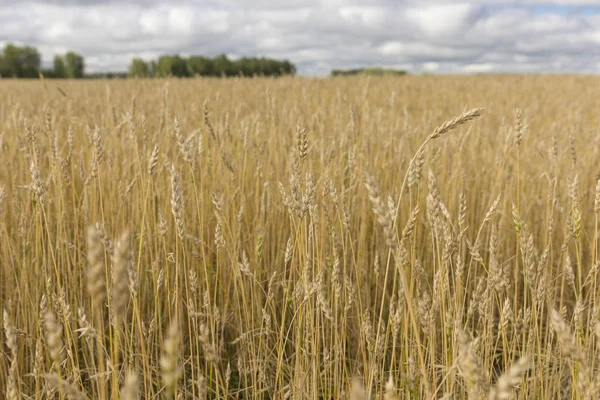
[421, 36]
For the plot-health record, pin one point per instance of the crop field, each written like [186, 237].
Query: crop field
[299, 238]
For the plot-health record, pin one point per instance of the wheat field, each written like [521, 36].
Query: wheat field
[361, 238]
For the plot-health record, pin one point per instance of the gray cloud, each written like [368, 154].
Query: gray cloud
[318, 35]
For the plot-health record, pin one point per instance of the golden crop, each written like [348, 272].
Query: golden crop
[396, 237]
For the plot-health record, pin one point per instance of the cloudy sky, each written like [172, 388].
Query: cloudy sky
[317, 35]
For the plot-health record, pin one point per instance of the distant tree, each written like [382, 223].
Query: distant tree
[244, 66]
[60, 69]
[107, 75]
[47, 73]
[199, 65]
[223, 66]
[172, 65]
[153, 68]
[30, 62]
[75, 65]
[139, 68]
[288, 68]
[25, 62]
[267, 67]
[373, 71]
[254, 67]
[9, 62]
[20, 62]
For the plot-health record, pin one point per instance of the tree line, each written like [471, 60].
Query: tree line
[374, 71]
[175, 65]
[25, 62]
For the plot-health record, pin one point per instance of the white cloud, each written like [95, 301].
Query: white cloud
[479, 68]
[181, 21]
[437, 36]
[368, 16]
[58, 30]
[152, 22]
[442, 19]
[431, 66]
